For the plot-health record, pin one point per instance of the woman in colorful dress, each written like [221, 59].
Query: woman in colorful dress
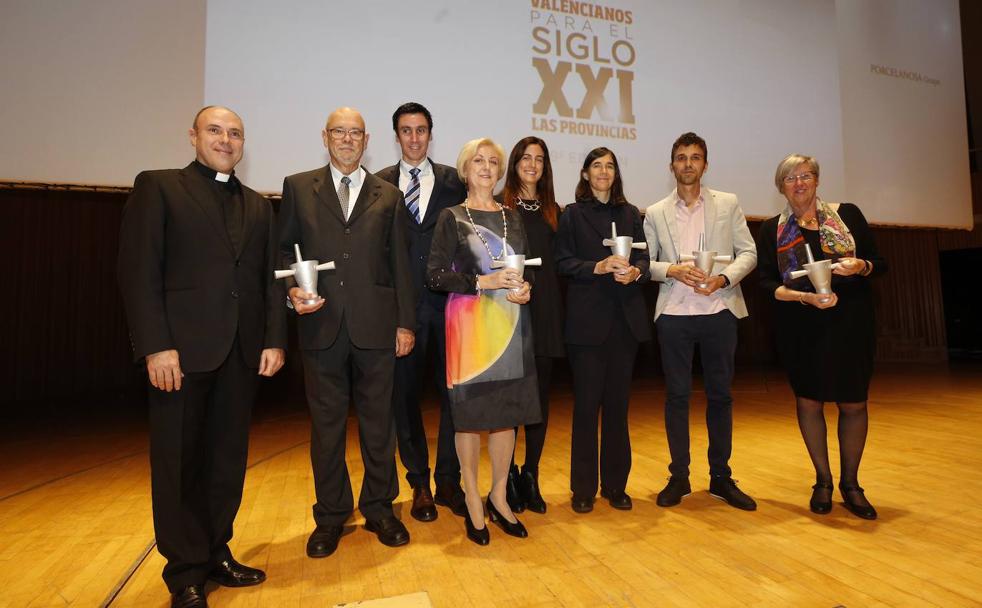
[490, 357]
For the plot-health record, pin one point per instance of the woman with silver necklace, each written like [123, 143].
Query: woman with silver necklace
[529, 190]
[490, 359]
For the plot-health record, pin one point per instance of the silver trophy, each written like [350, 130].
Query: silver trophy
[705, 260]
[622, 245]
[516, 262]
[305, 273]
[819, 273]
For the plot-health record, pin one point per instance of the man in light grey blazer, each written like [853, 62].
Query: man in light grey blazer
[701, 308]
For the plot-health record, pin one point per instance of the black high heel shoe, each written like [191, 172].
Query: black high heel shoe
[821, 502]
[480, 536]
[866, 511]
[513, 529]
[513, 490]
[530, 491]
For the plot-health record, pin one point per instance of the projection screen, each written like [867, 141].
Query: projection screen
[873, 89]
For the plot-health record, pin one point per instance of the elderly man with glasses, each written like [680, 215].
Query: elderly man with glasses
[351, 336]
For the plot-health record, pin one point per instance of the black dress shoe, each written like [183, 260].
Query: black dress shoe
[324, 541]
[618, 499]
[821, 502]
[854, 499]
[673, 493]
[513, 529]
[582, 504]
[530, 492]
[725, 489]
[480, 536]
[230, 573]
[513, 493]
[192, 596]
[423, 508]
[390, 531]
[451, 495]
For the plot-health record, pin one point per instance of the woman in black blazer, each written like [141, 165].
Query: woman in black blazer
[606, 319]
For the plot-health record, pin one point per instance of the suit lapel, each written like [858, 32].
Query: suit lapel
[599, 220]
[198, 190]
[370, 191]
[709, 213]
[670, 221]
[324, 192]
[431, 207]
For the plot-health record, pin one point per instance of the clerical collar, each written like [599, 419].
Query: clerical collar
[212, 174]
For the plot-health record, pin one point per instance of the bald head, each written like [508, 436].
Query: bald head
[218, 138]
[197, 117]
[345, 139]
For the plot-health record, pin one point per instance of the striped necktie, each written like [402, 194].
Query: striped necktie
[344, 191]
[412, 194]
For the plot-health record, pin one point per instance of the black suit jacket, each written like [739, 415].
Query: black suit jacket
[371, 288]
[184, 287]
[593, 300]
[448, 191]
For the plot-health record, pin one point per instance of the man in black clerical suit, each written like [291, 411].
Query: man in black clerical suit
[196, 257]
[351, 337]
[429, 188]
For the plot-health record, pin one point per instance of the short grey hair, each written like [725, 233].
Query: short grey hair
[789, 164]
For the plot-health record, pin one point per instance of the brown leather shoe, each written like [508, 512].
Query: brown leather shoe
[423, 507]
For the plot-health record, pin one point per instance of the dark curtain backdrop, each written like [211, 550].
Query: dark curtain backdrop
[64, 334]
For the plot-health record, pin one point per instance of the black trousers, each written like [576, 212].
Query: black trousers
[335, 377]
[602, 380]
[716, 336]
[407, 393]
[199, 438]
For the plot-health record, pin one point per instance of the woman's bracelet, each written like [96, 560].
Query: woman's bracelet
[801, 298]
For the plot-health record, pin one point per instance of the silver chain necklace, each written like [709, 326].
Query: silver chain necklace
[504, 240]
[533, 206]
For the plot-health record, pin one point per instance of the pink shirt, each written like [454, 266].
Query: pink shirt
[682, 299]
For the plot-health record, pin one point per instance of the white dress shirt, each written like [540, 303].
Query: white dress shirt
[426, 181]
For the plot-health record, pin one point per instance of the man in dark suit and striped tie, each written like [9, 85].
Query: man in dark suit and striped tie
[429, 188]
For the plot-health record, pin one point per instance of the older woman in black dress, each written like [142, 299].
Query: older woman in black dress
[529, 190]
[826, 343]
[490, 358]
[606, 319]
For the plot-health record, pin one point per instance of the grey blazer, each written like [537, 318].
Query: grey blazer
[726, 232]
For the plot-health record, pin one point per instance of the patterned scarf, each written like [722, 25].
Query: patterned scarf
[833, 234]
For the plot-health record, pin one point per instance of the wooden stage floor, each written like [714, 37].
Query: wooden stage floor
[75, 523]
